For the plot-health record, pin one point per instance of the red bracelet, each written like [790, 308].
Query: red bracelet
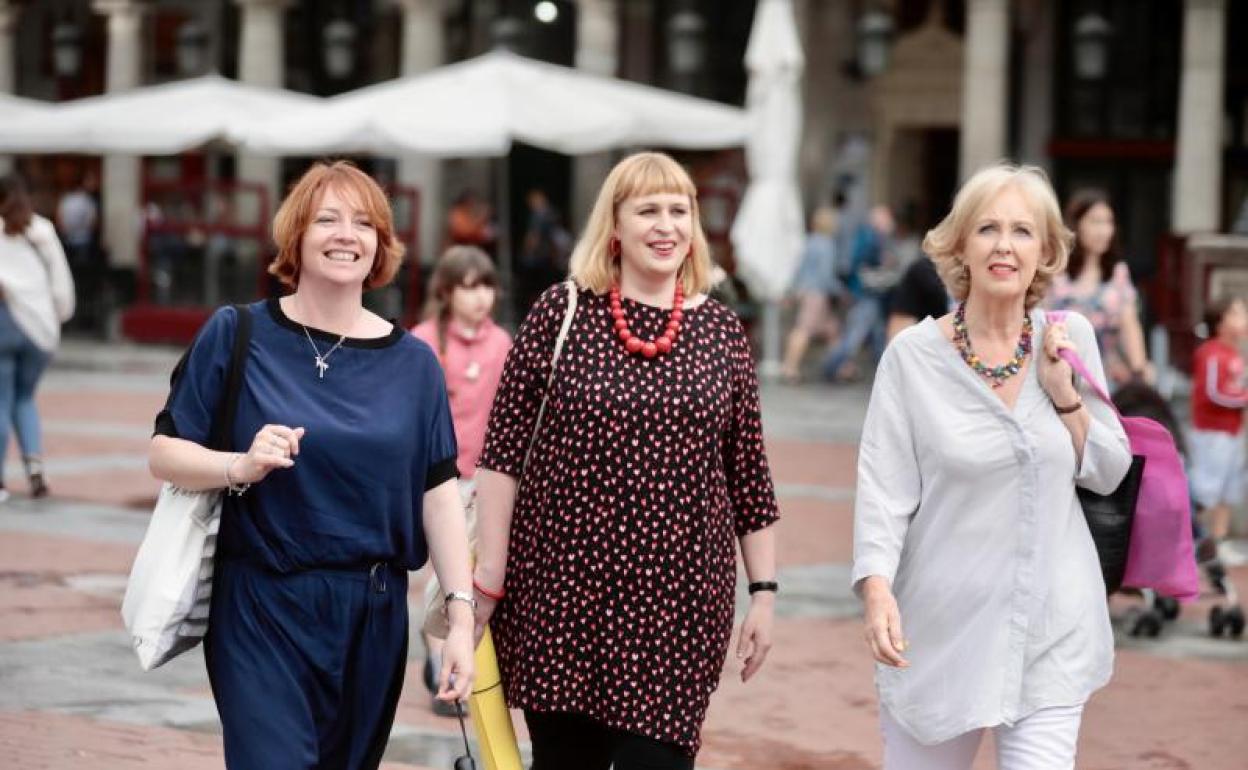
[498, 597]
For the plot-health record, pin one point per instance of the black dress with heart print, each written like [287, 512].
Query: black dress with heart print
[621, 571]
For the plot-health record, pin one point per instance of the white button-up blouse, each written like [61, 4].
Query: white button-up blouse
[969, 509]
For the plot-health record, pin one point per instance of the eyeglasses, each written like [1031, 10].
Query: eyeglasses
[465, 762]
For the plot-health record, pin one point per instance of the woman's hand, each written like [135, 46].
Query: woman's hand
[1056, 376]
[458, 664]
[755, 640]
[883, 622]
[275, 446]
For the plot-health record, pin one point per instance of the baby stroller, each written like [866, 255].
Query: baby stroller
[1227, 616]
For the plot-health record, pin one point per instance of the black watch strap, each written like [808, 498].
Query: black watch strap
[764, 585]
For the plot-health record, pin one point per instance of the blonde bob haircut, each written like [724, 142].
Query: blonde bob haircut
[946, 241]
[296, 212]
[594, 267]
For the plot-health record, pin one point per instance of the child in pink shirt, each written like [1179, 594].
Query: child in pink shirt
[471, 349]
[470, 346]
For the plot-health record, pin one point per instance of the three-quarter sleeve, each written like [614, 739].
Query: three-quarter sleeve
[750, 489]
[198, 381]
[1106, 454]
[523, 384]
[889, 486]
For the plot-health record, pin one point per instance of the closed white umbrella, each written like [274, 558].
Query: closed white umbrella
[164, 119]
[768, 232]
[480, 106]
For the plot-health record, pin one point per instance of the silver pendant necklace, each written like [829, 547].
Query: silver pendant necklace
[322, 360]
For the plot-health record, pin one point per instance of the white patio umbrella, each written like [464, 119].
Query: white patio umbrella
[768, 231]
[15, 107]
[480, 106]
[164, 119]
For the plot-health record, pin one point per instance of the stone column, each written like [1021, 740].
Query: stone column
[423, 50]
[1197, 199]
[261, 62]
[597, 43]
[8, 62]
[984, 96]
[122, 174]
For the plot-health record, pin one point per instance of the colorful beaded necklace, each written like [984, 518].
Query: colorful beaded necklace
[996, 375]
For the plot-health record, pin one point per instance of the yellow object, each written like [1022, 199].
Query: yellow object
[490, 718]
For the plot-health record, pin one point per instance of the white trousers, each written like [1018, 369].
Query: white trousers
[1045, 740]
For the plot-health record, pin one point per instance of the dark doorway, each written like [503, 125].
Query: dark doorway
[940, 176]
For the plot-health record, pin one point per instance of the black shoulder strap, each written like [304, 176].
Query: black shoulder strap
[222, 428]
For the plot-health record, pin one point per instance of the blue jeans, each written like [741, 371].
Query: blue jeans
[863, 322]
[21, 365]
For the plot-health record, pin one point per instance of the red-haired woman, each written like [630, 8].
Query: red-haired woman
[347, 483]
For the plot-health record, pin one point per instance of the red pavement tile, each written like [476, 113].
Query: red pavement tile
[812, 462]
[97, 405]
[47, 741]
[35, 602]
[814, 532]
[127, 487]
[64, 446]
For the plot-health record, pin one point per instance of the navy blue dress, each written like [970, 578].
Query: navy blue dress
[307, 641]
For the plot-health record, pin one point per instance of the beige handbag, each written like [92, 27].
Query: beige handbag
[436, 624]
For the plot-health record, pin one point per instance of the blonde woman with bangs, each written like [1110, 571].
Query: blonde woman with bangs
[344, 482]
[606, 553]
[984, 603]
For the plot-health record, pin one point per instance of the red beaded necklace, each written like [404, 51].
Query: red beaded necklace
[634, 344]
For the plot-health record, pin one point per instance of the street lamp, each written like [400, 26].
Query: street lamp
[339, 53]
[192, 47]
[66, 49]
[546, 12]
[1091, 49]
[874, 41]
[686, 49]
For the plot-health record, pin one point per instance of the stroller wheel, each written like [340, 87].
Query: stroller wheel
[1146, 624]
[1235, 622]
[1168, 606]
[1217, 621]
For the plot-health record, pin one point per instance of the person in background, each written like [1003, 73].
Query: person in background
[1219, 395]
[545, 249]
[1097, 284]
[872, 273]
[815, 287]
[919, 294]
[468, 221]
[471, 348]
[36, 297]
[975, 440]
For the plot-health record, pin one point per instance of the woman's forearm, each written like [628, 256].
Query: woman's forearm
[1132, 332]
[758, 551]
[188, 465]
[496, 498]
[446, 532]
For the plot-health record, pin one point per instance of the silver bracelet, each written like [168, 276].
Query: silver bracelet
[459, 596]
[230, 486]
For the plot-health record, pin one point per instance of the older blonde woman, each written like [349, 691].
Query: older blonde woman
[985, 607]
[610, 552]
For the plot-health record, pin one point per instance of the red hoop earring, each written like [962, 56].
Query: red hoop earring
[613, 247]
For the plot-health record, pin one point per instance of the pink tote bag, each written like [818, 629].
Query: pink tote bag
[1161, 555]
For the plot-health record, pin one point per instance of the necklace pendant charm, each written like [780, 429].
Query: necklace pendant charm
[321, 367]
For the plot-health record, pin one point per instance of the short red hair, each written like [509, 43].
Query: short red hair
[300, 206]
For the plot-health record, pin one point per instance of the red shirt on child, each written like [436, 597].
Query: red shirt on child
[1218, 392]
